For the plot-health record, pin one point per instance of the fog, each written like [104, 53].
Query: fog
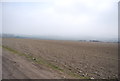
[74, 19]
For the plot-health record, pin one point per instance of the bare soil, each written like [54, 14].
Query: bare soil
[95, 60]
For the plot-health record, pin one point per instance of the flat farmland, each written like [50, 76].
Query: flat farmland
[65, 59]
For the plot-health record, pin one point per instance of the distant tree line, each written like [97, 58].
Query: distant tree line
[90, 40]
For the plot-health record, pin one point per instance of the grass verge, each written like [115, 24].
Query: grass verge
[40, 60]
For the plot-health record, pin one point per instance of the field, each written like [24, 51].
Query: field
[33, 58]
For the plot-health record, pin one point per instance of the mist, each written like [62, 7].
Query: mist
[63, 19]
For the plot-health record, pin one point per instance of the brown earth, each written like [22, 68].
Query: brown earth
[66, 59]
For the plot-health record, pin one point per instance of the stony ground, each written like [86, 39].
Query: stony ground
[66, 59]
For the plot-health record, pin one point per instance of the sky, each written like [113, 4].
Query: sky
[66, 18]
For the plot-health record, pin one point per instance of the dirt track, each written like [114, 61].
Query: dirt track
[17, 67]
[86, 59]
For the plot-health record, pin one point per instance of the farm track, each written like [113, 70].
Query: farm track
[19, 67]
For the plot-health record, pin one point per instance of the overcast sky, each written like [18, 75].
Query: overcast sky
[69, 18]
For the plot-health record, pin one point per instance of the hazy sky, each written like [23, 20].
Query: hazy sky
[75, 18]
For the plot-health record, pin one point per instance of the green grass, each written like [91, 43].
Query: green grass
[40, 60]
